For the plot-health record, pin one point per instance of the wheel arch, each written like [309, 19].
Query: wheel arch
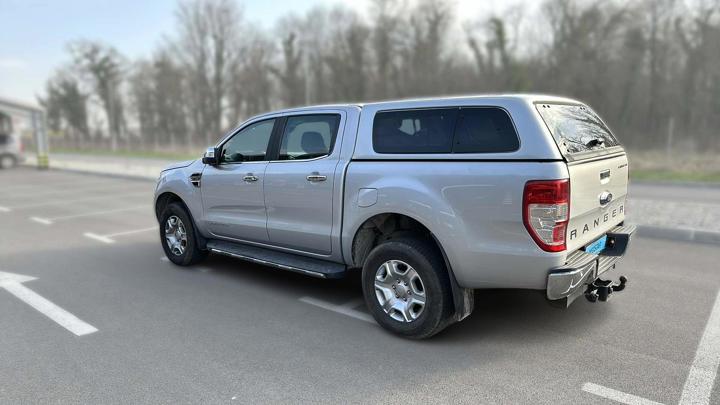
[168, 197]
[385, 226]
[165, 199]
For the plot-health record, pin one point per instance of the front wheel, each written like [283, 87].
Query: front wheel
[177, 235]
[407, 288]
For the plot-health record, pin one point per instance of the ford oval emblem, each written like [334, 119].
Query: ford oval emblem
[605, 198]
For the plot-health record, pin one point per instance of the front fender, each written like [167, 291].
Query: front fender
[177, 181]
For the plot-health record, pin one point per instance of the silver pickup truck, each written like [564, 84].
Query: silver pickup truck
[430, 198]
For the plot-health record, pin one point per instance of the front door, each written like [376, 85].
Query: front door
[232, 191]
[299, 184]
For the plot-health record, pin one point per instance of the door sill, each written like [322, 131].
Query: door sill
[285, 261]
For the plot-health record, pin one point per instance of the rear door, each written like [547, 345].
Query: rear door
[299, 182]
[598, 168]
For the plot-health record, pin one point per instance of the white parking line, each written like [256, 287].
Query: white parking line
[60, 192]
[617, 396]
[34, 186]
[699, 384]
[103, 239]
[12, 283]
[4, 209]
[109, 237]
[131, 232]
[345, 309]
[65, 202]
[52, 220]
[43, 221]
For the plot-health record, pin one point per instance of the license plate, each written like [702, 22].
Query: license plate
[597, 246]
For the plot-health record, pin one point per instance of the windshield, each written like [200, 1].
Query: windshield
[576, 128]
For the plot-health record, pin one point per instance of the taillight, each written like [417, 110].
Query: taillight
[546, 212]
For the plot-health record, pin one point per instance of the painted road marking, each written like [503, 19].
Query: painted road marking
[345, 309]
[617, 396]
[12, 283]
[43, 221]
[60, 192]
[4, 209]
[131, 232]
[698, 387]
[100, 238]
[109, 237]
[699, 384]
[51, 185]
[66, 202]
[50, 221]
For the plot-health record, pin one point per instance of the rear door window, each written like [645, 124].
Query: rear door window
[577, 130]
[309, 136]
[414, 131]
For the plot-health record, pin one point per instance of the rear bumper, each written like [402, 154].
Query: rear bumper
[568, 282]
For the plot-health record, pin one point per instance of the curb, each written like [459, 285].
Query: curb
[677, 183]
[679, 234]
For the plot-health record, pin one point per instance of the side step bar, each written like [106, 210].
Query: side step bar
[286, 261]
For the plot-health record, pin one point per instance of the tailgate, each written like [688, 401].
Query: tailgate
[598, 189]
[598, 169]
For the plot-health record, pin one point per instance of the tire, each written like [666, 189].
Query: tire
[176, 220]
[7, 162]
[405, 317]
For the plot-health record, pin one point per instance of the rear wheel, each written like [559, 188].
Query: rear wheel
[177, 235]
[7, 162]
[407, 289]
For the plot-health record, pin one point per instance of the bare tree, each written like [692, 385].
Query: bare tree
[66, 107]
[347, 56]
[142, 100]
[290, 74]
[425, 52]
[641, 64]
[250, 86]
[207, 37]
[385, 41]
[102, 65]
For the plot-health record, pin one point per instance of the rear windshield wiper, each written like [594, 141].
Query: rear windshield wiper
[595, 142]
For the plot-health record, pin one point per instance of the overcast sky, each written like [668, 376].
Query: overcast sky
[35, 32]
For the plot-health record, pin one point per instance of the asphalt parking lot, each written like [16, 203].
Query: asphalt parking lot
[91, 313]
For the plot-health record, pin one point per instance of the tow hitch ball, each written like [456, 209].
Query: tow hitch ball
[601, 289]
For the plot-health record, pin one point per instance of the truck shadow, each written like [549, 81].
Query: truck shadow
[500, 313]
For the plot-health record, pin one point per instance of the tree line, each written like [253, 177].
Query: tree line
[649, 67]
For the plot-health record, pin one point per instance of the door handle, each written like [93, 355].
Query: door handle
[250, 177]
[315, 177]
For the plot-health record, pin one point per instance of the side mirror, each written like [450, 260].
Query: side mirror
[209, 158]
